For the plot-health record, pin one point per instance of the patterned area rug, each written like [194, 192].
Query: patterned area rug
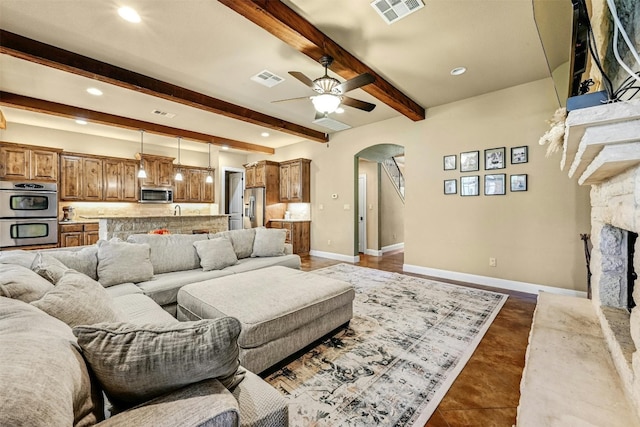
[407, 342]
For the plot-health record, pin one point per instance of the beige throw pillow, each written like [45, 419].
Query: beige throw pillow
[122, 262]
[215, 254]
[77, 299]
[85, 260]
[19, 282]
[49, 267]
[135, 363]
[269, 242]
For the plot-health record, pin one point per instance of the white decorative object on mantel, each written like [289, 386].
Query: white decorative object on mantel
[555, 135]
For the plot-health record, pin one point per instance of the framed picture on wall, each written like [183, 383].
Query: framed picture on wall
[470, 185]
[450, 162]
[470, 161]
[494, 158]
[519, 182]
[494, 185]
[450, 186]
[519, 154]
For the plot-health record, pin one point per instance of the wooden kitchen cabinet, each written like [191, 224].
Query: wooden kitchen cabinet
[81, 178]
[295, 181]
[78, 234]
[298, 234]
[120, 180]
[264, 174]
[159, 170]
[28, 163]
[193, 187]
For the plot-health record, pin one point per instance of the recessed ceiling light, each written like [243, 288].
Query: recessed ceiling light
[128, 14]
[458, 71]
[81, 122]
[94, 91]
[339, 110]
[264, 134]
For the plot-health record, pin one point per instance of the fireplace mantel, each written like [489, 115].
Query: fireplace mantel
[601, 142]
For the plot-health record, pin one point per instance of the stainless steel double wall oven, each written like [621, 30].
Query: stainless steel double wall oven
[28, 213]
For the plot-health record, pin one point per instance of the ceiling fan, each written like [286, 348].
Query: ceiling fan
[331, 93]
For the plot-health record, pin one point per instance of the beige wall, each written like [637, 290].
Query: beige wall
[534, 235]
[391, 213]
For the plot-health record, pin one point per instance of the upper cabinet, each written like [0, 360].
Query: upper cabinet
[28, 163]
[264, 174]
[159, 170]
[295, 181]
[193, 187]
[96, 178]
[81, 178]
[120, 180]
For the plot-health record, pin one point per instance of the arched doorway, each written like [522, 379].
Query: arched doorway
[379, 217]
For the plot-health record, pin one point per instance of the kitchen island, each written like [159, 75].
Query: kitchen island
[123, 226]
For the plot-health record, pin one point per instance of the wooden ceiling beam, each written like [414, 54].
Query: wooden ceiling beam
[60, 59]
[284, 23]
[61, 110]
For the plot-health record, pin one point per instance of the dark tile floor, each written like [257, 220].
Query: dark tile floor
[487, 391]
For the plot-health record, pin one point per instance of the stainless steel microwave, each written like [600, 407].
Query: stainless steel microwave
[156, 195]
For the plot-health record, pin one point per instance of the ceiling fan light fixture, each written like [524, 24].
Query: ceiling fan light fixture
[326, 103]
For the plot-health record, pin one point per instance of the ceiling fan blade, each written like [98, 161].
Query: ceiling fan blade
[304, 79]
[290, 99]
[356, 103]
[356, 82]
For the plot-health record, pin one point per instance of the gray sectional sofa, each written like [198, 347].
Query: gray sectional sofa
[79, 324]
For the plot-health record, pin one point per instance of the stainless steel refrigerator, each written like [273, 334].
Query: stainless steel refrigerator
[254, 207]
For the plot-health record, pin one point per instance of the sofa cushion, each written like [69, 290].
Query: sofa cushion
[140, 309]
[163, 288]
[77, 299]
[171, 252]
[216, 254]
[19, 282]
[84, 260]
[248, 264]
[18, 257]
[121, 262]
[136, 363]
[49, 267]
[242, 240]
[269, 242]
[123, 289]
[45, 381]
[260, 404]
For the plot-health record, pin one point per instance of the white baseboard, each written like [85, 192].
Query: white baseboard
[530, 288]
[337, 257]
[394, 247]
[373, 252]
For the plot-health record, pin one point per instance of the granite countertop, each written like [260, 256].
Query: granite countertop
[290, 220]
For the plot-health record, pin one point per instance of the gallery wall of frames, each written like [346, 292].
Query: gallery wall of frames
[494, 183]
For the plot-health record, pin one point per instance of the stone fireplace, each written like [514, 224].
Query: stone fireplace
[602, 149]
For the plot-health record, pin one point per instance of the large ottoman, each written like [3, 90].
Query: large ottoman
[281, 310]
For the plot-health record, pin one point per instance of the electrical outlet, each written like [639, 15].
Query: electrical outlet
[321, 207]
[329, 242]
[493, 262]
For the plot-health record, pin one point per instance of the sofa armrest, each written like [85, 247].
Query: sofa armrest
[288, 249]
[207, 403]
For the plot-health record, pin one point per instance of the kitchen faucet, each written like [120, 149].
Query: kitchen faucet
[178, 209]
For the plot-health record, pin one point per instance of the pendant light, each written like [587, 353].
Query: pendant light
[141, 172]
[209, 178]
[178, 176]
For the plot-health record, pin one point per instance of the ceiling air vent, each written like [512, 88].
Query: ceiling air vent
[267, 78]
[332, 124]
[394, 10]
[163, 114]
